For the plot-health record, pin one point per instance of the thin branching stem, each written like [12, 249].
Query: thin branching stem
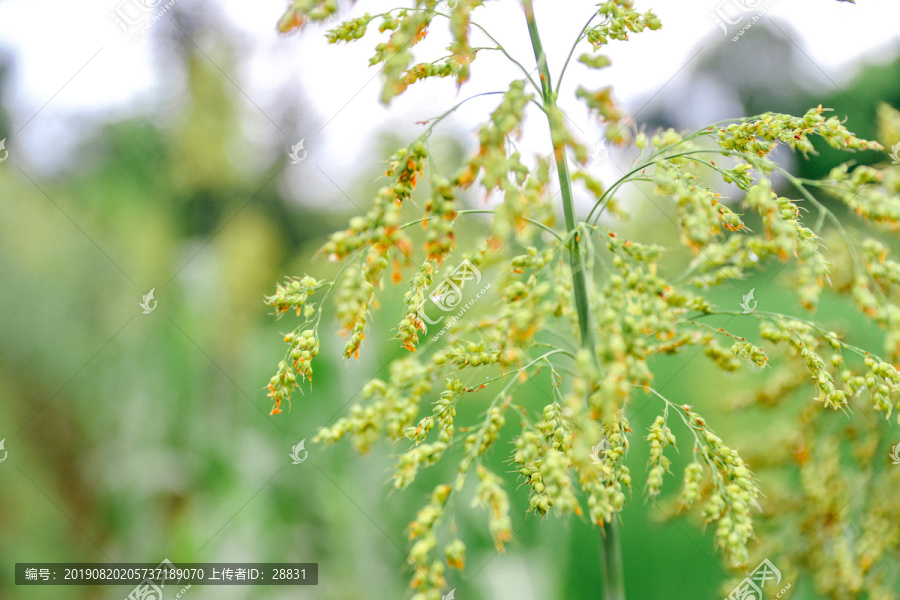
[578, 39]
[613, 575]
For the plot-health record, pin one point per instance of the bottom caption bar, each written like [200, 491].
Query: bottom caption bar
[166, 575]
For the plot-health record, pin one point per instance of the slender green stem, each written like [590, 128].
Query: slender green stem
[435, 120]
[475, 211]
[708, 130]
[508, 55]
[580, 37]
[613, 577]
[613, 568]
[763, 314]
[490, 37]
[576, 260]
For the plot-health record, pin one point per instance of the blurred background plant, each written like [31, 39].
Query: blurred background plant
[136, 437]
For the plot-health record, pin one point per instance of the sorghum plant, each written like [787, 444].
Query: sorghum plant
[624, 307]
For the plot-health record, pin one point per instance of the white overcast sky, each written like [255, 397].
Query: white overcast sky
[70, 58]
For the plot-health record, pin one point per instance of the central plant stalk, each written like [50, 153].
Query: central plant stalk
[613, 577]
